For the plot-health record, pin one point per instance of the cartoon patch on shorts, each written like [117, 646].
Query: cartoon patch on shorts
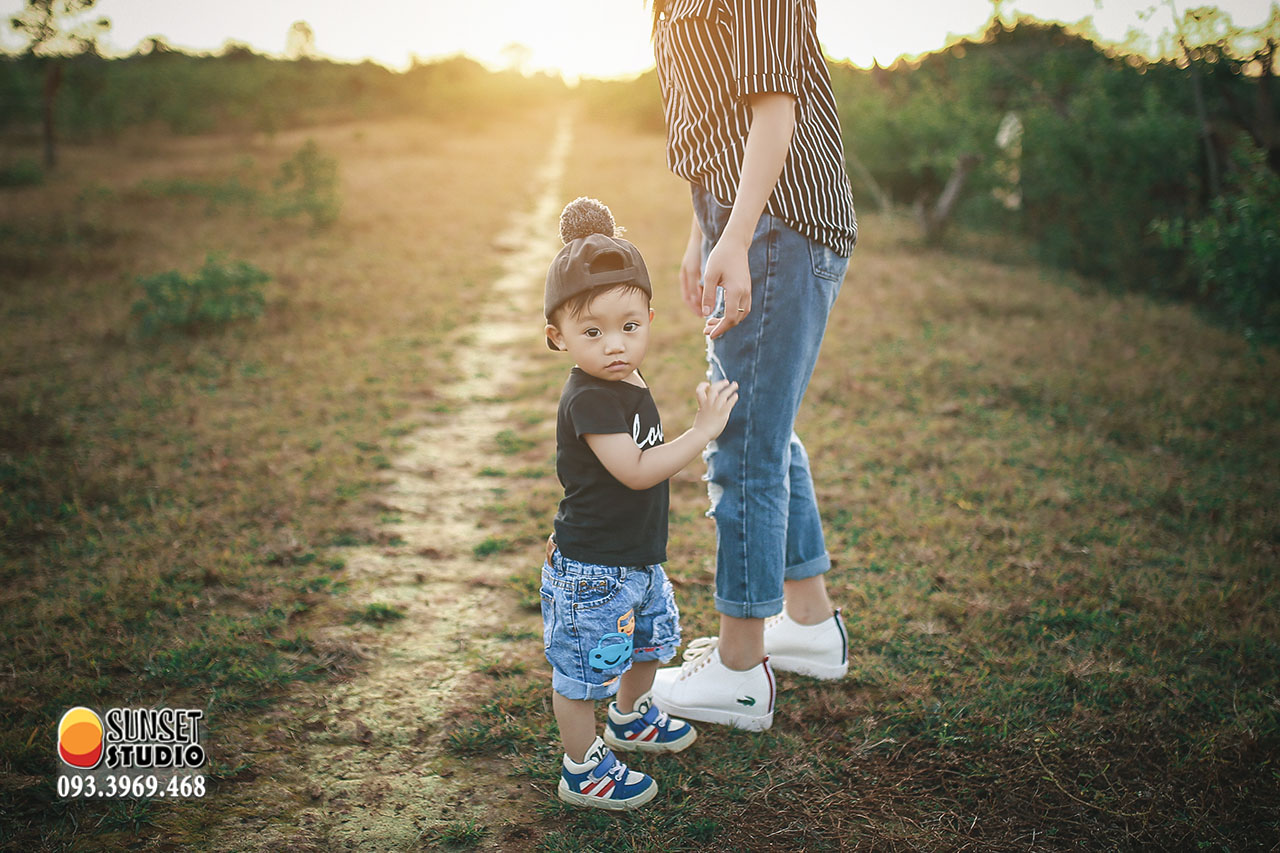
[613, 650]
[627, 623]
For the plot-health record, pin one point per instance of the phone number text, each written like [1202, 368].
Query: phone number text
[130, 786]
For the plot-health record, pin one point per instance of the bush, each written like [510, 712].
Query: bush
[24, 173]
[308, 183]
[222, 292]
[1097, 169]
[229, 192]
[1233, 251]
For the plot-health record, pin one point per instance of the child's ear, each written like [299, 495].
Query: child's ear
[556, 338]
[650, 315]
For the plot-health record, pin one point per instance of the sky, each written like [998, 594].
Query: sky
[589, 37]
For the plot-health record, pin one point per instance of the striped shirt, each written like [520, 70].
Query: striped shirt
[712, 54]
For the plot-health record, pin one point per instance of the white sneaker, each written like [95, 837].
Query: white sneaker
[705, 689]
[820, 651]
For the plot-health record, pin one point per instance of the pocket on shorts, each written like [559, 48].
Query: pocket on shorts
[827, 263]
[594, 591]
[548, 616]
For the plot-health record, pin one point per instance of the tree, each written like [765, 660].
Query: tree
[300, 42]
[517, 56]
[56, 29]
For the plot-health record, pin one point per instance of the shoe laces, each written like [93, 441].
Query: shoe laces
[656, 717]
[698, 654]
[617, 770]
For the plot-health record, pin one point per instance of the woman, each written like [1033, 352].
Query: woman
[751, 124]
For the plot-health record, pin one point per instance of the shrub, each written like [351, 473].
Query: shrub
[230, 192]
[1100, 166]
[307, 183]
[221, 293]
[23, 173]
[1233, 251]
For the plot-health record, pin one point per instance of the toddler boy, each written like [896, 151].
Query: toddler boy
[608, 613]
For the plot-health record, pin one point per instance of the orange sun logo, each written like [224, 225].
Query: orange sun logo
[80, 738]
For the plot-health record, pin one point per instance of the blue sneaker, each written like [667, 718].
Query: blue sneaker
[646, 729]
[604, 782]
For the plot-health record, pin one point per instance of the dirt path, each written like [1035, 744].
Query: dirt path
[366, 757]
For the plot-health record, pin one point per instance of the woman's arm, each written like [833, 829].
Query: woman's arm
[773, 120]
[642, 469]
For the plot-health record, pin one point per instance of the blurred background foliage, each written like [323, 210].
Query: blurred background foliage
[1149, 176]
[1104, 150]
[239, 90]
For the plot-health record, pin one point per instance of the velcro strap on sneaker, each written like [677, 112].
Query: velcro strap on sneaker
[604, 766]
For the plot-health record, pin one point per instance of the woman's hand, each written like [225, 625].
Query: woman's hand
[727, 267]
[773, 121]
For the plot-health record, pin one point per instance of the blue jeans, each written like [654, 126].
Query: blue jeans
[597, 619]
[762, 499]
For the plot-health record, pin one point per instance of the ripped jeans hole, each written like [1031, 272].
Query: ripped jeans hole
[714, 490]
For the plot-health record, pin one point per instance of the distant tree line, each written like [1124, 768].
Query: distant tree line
[238, 89]
[1157, 176]
[1109, 163]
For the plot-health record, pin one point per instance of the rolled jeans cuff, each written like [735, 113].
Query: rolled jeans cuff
[808, 569]
[571, 688]
[750, 609]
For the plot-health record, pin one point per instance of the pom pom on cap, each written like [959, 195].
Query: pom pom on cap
[584, 216]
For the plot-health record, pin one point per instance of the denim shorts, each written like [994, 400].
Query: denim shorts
[768, 528]
[597, 619]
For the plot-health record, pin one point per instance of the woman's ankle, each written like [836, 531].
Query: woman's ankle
[741, 642]
[807, 602]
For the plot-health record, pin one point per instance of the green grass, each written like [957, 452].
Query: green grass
[466, 832]
[510, 442]
[1055, 527]
[491, 545]
[376, 613]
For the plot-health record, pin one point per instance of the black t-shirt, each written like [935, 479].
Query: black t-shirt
[600, 520]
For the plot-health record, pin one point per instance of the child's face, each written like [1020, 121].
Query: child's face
[609, 340]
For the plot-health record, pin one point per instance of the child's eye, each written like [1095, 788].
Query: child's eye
[592, 333]
[630, 327]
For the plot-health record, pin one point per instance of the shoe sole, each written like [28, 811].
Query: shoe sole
[719, 716]
[800, 666]
[574, 798]
[682, 743]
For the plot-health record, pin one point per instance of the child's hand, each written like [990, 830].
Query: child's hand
[715, 402]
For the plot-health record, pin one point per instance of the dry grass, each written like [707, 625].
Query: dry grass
[167, 504]
[1052, 511]
[1053, 516]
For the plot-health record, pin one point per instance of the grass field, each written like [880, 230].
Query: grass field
[1053, 514]
[1052, 510]
[168, 504]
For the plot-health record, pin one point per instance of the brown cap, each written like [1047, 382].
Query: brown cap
[592, 257]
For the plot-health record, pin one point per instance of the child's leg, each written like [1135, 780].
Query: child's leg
[577, 721]
[626, 728]
[634, 683]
